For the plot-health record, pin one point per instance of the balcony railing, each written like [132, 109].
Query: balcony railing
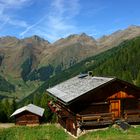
[95, 119]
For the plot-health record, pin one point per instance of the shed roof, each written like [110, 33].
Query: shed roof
[77, 86]
[31, 108]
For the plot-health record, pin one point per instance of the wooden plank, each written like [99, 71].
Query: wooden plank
[95, 123]
[87, 118]
[99, 114]
[95, 117]
[132, 112]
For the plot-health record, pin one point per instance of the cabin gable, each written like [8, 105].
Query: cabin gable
[120, 95]
[27, 118]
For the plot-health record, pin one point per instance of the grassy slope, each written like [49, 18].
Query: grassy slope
[6, 86]
[55, 132]
[22, 89]
[101, 64]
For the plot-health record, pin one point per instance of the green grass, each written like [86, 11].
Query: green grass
[113, 134]
[48, 132]
[55, 132]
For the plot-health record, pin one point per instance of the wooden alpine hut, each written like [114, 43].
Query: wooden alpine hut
[84, 102]
[28, 115]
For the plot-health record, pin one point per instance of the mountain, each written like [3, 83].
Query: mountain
[15, 52]
[74, 48]
[121, 62]
[35, 59]
[113, 62]
[71, 50]
[119, 36]
[35, 52]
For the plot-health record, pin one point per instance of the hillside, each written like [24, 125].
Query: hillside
[19, 58]
[15, 52]
[121, 62]
[5, 86]
[124, 64]
[28, 62]
[69, 51]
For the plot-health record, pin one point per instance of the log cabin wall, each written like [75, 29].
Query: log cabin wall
[95, 109]
[138, 103]
[129, 104]
[97, 95]
[26, 118]
[67, 119]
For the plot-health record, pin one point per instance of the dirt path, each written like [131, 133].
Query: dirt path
[6, 125]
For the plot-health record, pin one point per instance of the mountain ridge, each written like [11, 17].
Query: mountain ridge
[62, 53]
[27, 63]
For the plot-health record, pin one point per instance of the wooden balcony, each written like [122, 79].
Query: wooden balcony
[95, 119]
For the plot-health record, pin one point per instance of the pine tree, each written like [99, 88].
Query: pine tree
[126, 75]
[7, 109]
[36, 100]
[138, 79]
[13, 107]
[3, 116]
[44, 104]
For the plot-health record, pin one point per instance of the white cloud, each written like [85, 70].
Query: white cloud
[10, 3]
[30, 27]
[6, 17]
[59, 22]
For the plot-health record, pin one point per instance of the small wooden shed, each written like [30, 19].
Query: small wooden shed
[85, 102]
[28, 115]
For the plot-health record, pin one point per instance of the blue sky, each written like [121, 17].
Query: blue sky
[54, 19]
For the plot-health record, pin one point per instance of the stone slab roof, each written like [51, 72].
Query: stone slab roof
[77, 86]
[31, 108]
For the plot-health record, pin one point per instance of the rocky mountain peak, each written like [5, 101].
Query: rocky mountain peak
[65, 51]
[35, 38]
[133, 26]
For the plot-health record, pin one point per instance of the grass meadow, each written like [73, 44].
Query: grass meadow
[55, 132]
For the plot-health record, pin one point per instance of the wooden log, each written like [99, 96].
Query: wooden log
[89, 118]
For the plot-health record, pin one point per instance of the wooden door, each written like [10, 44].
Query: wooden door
[115, 108]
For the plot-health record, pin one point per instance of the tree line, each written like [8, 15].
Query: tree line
[124, 64]
[8, 106]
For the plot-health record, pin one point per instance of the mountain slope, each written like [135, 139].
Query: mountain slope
[121, 62]
[27, 62]
[124, 64]
[71, 50]
[36, 52]
[14, 52]
[5, 86]
[74, 48]
[119, 36]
